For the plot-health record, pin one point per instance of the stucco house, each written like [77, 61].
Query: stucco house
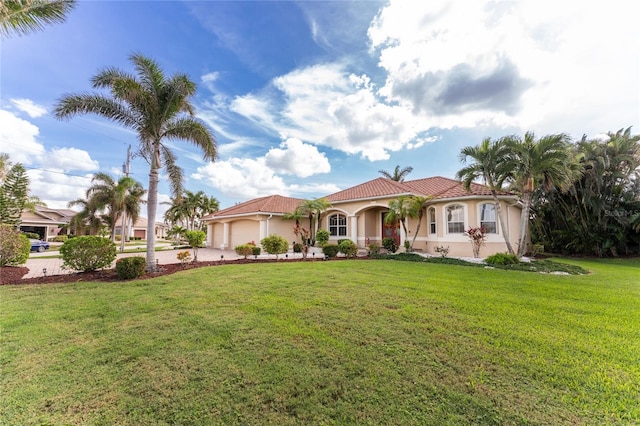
[357, 213]
[44, 221]
[139, 228]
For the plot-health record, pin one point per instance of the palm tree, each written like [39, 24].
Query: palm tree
[403, 208]
[158, 109]
[23, 16]
[415, 210]
[596, 215]
[129, 196]
[87, 217]
[547, 161]
[189, 208]
[115, 198]
[487, 164]
[398, 212]
[313, 210]
[398, 174]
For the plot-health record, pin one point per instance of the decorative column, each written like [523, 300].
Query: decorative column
[263, 230]
[225, 236]
[209, 235]
[354, 228]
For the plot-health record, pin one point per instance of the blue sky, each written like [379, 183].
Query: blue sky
[307, 98]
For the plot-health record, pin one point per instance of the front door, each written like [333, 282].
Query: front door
[390, 230]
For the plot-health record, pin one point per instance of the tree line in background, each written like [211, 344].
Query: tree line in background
[186, 212]
[579, 198]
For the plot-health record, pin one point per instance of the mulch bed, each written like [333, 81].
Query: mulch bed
[13, 275]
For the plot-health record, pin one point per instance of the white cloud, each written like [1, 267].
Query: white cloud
[242, 178]
[210, 77]
[56, 188]
[546, 66]
[297, 158]
[70, 159]
[18, 139]
[32, 109]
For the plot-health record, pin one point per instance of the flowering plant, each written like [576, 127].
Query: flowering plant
[477, 236]
[184, 257]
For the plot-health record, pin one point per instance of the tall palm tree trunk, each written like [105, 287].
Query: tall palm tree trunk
[420, 216]
[503, 224]
[524, 223]
[152, 208]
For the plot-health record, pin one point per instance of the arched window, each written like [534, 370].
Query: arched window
[455, 219]
[432, 220]
[488, 218]
[338, 225]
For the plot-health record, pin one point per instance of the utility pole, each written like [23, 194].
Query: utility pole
[125, 170]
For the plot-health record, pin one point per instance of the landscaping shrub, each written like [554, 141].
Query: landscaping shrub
[390, 244]
[128, 268]
[322, 237]
[14, 246]
[184, 257]
[331, 250]
[374, 248]
[244, 250]
[297, 247]
[59, 239]
[348, 248]
[275, 244]
[255, 250]
[31, 235]
[442, 250]
[87, 253]
[502, 259]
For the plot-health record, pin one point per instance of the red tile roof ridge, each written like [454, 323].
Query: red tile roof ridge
[268, 204]
[377, 187]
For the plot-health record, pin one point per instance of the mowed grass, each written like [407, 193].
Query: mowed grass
[338, 342]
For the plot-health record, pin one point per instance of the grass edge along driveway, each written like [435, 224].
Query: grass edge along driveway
[348, 342]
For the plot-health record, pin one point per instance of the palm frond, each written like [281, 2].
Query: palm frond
[24, 16]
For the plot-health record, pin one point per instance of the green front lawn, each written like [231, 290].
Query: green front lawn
[338, 342]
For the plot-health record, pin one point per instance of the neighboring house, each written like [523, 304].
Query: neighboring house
[357, 213]
[45, 222]
[139, 228]
[48, 223]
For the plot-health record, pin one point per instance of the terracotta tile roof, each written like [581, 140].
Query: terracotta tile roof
[379, 187]
[440, 187]
[431, 186]
[271, 204]
[437, 187]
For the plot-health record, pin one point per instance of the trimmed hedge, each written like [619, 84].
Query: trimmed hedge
[128, 268]
[87, 253]
[331, 250]
[348, 248]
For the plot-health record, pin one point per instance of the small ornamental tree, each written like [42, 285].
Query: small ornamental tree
[244, 250]
[275, 244]
[195, 240]
[87, 253]
[304, 236]
[477, 236]
[14, 247]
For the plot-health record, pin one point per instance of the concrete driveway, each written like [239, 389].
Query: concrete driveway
[41, 264]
